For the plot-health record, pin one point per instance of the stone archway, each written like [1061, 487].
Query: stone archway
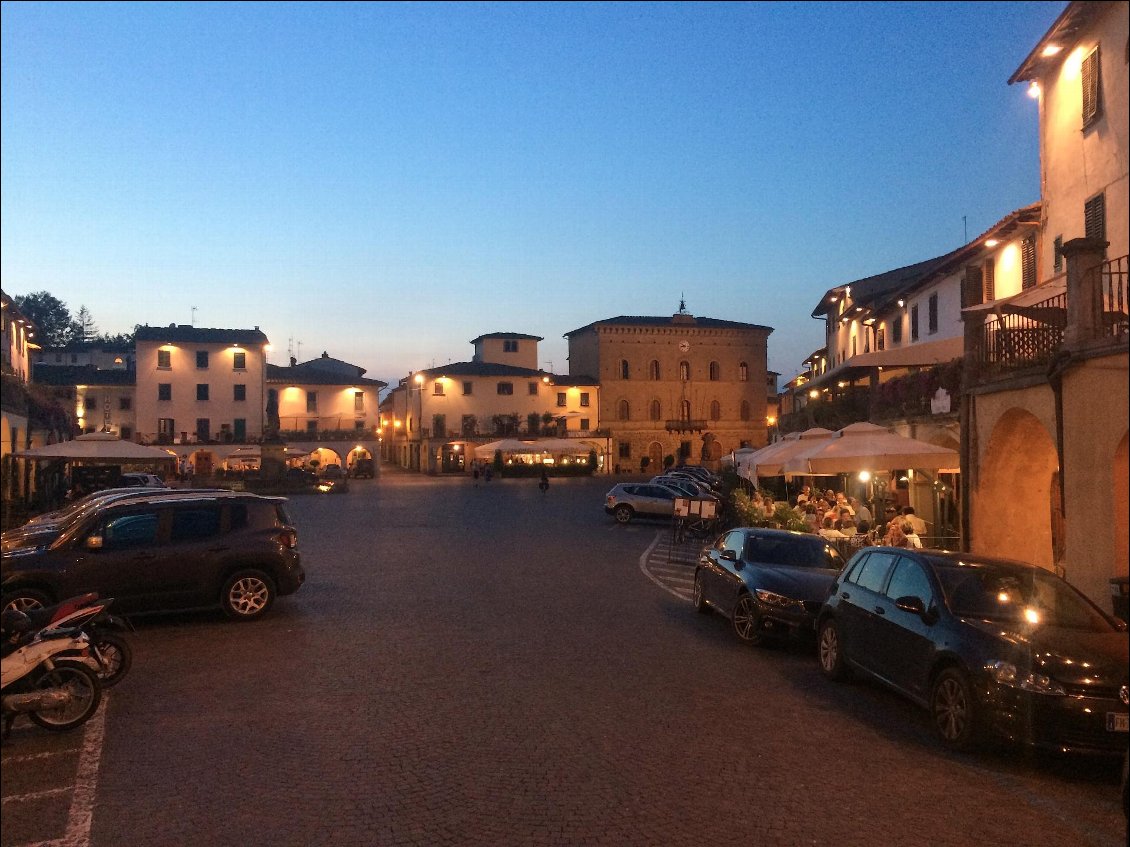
[1016, 504]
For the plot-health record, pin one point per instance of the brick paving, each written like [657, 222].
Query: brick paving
[490, 666]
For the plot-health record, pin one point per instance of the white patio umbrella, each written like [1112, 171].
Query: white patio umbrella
[102, 447]
[770, 460]
[867, 447]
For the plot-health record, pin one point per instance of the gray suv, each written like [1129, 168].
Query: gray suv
[629, 500]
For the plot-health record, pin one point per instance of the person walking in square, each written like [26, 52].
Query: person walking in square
[544, 483]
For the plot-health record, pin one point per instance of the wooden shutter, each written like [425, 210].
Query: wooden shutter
[1058, 249]
[1028, 262]
[1092, 89]
[1094, 217]
[988, 282]
[971, 291]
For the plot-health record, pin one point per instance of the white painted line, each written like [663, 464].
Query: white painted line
[34, 795]
[81, 815]
[12, 760]
[643, 567]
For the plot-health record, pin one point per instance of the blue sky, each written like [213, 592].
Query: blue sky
[386, 182]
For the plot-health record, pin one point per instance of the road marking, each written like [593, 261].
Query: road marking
[81, 815]
[34, 795]
[11, 760]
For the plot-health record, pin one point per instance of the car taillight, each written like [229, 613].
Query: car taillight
[289, 538]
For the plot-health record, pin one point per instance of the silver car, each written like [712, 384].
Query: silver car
[629, 500]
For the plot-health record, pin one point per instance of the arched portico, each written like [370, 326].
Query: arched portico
[1018, 514]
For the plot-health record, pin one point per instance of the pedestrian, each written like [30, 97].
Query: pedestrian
[488, 473]
[475, 475]
[544, 483]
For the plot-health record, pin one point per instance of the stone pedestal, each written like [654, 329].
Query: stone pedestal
[273, 462]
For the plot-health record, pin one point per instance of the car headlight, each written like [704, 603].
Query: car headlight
[1006, 673]
[769, 598]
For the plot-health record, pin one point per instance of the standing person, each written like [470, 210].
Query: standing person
[488, 473]
[916, 522]
[475, 473]
[544, 483]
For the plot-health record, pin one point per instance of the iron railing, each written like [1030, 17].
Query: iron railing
[1111, 290]
[1016, 341]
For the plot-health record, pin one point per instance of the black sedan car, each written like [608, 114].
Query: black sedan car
[768, 582]
[986, 645]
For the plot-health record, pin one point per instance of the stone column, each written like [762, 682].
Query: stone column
[1084, 291]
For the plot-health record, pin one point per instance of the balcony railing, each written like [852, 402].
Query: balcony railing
[1112, 293]
[1017, 341]
[685, 425]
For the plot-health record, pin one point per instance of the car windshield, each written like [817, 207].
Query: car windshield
[1034, 597]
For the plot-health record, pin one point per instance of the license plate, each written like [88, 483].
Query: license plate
[1117, 722]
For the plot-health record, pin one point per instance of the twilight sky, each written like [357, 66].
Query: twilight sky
[388, 181]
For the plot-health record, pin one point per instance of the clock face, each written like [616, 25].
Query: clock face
[684, 346]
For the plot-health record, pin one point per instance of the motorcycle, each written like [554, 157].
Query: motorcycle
[89, 614]
[49, 675]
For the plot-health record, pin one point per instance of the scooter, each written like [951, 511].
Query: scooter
[49, 675]
[88, 613]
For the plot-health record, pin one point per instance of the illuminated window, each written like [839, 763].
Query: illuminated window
[358, 401]
[239, 361]
[164, 358]
[561, 398]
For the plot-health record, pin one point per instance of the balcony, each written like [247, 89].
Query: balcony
[685, 425]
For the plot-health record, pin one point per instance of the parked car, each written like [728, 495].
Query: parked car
[301, 475]
[166, 552]
[44, 529]
[332, 472]
[693, 487]
[363, 468]
[141, 480]
[986, 645]
[627, 500]
[768, 582]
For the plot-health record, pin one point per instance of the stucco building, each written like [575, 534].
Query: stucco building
[1045, 401]
[432, 420]
[678, 385]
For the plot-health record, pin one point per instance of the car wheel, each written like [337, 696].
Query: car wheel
[697, 600]
[746, 621]
[954, 709]
[247, 595]
[831, 653]
[25, 599]
[622, 513]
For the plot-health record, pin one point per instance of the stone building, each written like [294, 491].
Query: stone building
[675, 386]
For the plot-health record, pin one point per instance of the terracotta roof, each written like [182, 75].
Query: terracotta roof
[681, 320]
[508, 335]
[200, 335]
[1063, 32]
[301, 375]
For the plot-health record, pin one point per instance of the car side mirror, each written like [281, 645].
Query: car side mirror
[94, 542]
[729, 555]
[914, 605]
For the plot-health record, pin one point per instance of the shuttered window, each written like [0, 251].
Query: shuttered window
[971, 288]
[1092, 89]
[988, 282]
[1057, 247]
[1028, 262]
[932, 314]
[1094, 217]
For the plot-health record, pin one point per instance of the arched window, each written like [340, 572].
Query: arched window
[624, 374]
[653, 369]
[655, 411]
[715, 371]
[743, 372]
[685, 371]
[623, 411]
[744, 413]
[715, 410]
[685, 410]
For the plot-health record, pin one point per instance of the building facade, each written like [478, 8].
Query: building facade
[675, 386]
[1045, 400]
[432, 420]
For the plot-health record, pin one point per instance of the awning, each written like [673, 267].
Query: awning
[101, 447]
[867, 447]
[770, 460]
[919, 355]
[1027, 297]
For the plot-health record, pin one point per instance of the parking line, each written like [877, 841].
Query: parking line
[81, 815]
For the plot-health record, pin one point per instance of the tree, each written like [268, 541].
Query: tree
[52, 318]
[84, 329]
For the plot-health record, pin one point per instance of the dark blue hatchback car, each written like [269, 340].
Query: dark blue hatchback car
[768, 582]
[986, 645]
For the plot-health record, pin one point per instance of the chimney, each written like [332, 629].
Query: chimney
[293, 361]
